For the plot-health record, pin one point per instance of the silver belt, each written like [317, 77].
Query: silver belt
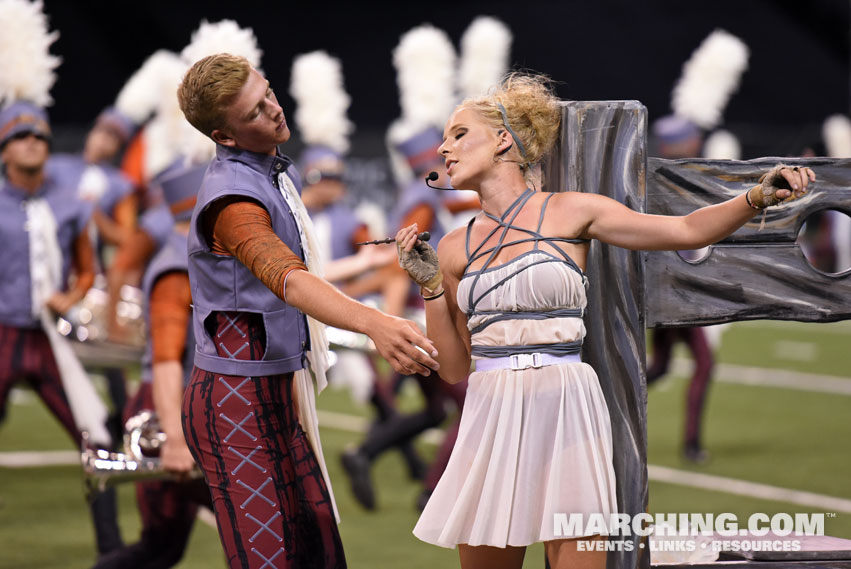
[525, 361]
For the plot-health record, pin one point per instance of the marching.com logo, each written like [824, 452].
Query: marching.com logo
[677, 532]
[724, 525]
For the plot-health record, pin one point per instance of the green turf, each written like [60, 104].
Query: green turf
[767, 344]
[782, 437]
[793, 439]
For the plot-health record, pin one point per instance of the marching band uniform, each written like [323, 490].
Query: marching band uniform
[168, 508]
[44, 233]
[242, 419]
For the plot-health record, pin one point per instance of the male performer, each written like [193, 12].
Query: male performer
[167, 507]
[249, 414]
[43, 231]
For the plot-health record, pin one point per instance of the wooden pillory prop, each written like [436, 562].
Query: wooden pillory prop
[752, 274]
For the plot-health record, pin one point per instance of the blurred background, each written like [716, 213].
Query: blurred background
[798, 72]
[776, 420]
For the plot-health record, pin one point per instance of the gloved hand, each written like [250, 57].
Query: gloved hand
[779, 184]
[419, 259]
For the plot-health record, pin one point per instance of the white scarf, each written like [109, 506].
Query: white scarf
[317, 356]
[46, 276]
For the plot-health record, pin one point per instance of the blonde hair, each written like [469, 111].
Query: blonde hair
[209, 87]
[532, 111]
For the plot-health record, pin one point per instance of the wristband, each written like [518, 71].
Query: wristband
[433, 295]
[750, 203]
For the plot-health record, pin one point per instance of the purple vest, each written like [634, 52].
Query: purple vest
[414, 194]
[71, 213]
[118, 185]
[157, 222]
[223, 284]
[171, 257]
[343, 225]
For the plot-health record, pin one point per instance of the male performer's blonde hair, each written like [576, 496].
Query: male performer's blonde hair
[209, 87]
[532, 110]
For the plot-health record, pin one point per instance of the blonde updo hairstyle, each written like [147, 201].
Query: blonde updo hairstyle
[533, 113]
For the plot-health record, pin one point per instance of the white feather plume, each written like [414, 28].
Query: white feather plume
[373, 215]
[321, 101]
[722, 145]
[196, 147]
[709, 77]
[425, 73]
[485, 49]
[26, 65]
[165, 137]
[836, 132]
[141, 94]
[399, 132]
[224, 36]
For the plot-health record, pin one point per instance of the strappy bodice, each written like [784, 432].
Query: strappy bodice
[535, 436]
[540, 286]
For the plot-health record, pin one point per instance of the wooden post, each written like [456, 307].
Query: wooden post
[602, 149]
[752, 274]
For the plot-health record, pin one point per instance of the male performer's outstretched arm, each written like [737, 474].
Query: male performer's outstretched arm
[243, 229]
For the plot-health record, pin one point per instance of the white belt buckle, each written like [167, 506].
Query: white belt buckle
[525, 361]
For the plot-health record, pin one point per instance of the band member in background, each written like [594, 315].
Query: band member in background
[168, 507]
[43, 226]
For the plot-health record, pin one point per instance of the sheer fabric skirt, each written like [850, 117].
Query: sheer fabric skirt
[532, 444]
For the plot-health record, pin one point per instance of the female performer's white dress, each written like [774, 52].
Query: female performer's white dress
[535, 442]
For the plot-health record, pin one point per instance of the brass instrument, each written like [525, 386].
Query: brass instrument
[86, 324]
[139, 461]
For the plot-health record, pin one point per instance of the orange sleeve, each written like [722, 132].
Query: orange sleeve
[360, 235]
[456, 206]
[83, 262]
[169, 314]
[422, 215]
[134, 252]
[133, 163]
[243, 229]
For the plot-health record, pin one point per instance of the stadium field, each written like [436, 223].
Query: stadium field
[777, 425]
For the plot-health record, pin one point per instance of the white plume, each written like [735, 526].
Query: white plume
[162, 148]
[26, 65]
[373, 215]
[321, 101]
[836, 132]
[425, 73]
[222, 37]
[165, 133]
[709, 77]
[485, 49]
[399, 132]
[722, 145]
[196, 147]
[143, 92]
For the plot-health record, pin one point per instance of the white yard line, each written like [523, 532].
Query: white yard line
[794, 350]
[738, 487]
[207, 516]
[767, 377]
[841, 327]
[29, 459]
[352, 423]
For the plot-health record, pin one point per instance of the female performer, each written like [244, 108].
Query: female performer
[509, 292]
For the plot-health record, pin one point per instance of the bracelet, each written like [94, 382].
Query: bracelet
[433, 296]
[750, 203]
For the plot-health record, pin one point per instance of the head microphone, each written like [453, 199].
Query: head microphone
[433, 176]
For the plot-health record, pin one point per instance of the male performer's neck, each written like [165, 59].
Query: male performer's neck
[29, 179]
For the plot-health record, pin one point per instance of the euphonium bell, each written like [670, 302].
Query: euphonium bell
[139, 461]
